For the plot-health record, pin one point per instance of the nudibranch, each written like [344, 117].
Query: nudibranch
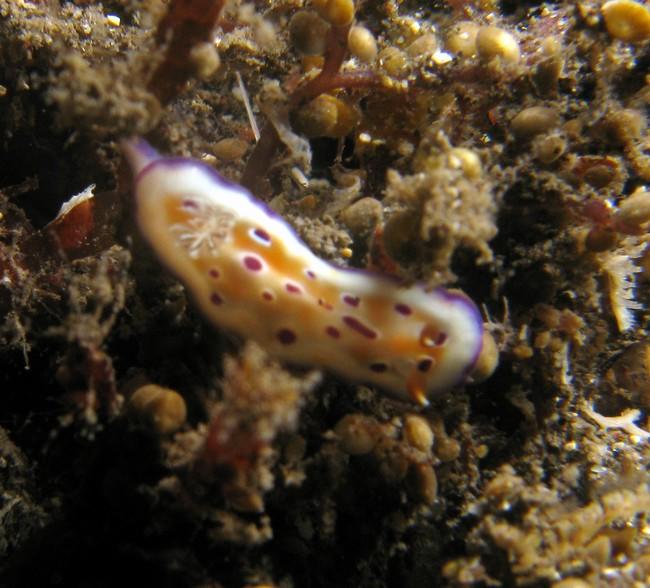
[248, 272]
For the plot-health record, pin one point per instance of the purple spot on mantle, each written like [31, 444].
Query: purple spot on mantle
[267, 295]
[252, 263]
[190, 204]
[356, 325]
[424, 365]
[311, 275]
[333, 332]
[216, 299]
[292, 288]
[404, 309]
[261, 236]
[351, 300]
[286, 336]
[378, 367]
[441, 338]
[214, 273]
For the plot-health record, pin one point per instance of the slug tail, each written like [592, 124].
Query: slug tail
[138, 153]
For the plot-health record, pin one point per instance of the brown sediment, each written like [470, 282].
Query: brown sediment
[535, 477]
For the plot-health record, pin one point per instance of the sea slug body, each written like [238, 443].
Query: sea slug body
[249, 273]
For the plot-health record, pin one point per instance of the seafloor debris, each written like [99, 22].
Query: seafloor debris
[494, 146]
